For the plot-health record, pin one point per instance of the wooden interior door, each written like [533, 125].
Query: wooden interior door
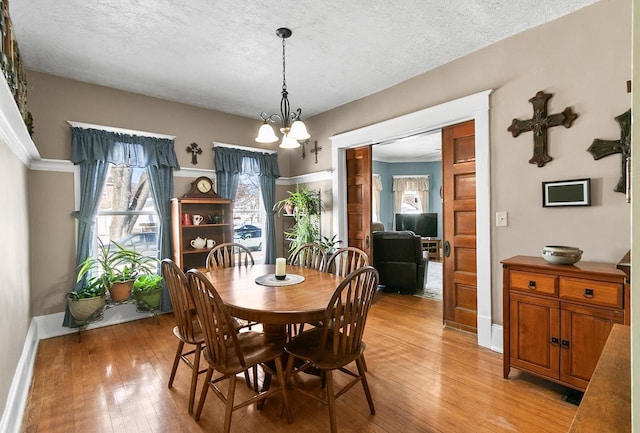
[359, 198]
[459, 220]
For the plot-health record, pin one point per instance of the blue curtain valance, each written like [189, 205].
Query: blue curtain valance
[89, 145]
[230, 160]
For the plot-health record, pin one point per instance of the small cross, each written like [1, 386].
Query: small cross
[194, 150]
[539, 124]
[315, 149]
[601, 148]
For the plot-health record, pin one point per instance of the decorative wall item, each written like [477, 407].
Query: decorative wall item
[601, 148]
[315, 149]
[539, 124]
[576, 192]
[194, 150]
[11, 64]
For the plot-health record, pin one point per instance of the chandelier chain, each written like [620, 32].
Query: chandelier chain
[284, 66]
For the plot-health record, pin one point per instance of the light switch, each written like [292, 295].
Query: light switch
[501, 219]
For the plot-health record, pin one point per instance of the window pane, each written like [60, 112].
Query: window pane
[248, 215]
[126, 213]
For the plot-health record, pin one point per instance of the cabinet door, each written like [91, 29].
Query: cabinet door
[584, 332]
[535, 334]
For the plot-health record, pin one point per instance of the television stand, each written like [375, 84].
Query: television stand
[432, 246]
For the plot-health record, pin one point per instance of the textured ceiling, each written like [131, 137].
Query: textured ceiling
[225, 54]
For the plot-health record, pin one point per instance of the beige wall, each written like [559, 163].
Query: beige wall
[53, 101]
[584, 60]
[15, 313]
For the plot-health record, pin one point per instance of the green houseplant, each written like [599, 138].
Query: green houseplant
[88, 302]
[117, 267]
[147, 290]
[304, 204]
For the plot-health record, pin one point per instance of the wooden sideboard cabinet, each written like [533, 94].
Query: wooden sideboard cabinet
[557, 318]
[219, 227]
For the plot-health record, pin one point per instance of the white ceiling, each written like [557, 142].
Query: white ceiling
[418, 148]
[225, 55]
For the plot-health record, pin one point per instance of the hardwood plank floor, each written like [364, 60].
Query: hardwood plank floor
[423, 378]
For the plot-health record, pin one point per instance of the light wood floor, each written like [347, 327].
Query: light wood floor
[423, 379]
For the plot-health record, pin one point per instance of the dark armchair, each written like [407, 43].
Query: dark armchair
[399, 259]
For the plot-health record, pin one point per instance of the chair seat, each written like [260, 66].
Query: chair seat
[255, 348]
[307, 347]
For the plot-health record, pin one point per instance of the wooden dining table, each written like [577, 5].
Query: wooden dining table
[274, 306]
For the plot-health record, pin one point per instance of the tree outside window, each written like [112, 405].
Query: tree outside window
[127, 213]
[248, 215]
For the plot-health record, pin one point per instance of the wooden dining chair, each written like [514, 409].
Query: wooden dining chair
[228, 255]
[346, 260]
[233, 354]
[311, 255]
[339, 342]
[187, 329]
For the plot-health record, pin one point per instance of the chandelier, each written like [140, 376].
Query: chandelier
[293, 129]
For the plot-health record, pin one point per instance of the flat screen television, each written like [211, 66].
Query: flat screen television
[422, 224]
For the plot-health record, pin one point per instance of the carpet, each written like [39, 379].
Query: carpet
[433, 286]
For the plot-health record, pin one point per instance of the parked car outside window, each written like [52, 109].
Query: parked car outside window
[248, 235]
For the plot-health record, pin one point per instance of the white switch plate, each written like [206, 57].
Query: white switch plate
[501, 219]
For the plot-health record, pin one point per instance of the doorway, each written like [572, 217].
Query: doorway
[474, 107]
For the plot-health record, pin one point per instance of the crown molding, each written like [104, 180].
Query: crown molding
[13, 131]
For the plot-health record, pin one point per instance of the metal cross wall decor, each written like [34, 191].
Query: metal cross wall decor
[539, 124]
[601, 148]
[194, 150]
[315, 149]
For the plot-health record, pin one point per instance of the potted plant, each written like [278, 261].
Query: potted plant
[88, 302]
[329, 244]
[117, 267]
[147, 290]
[304, 204]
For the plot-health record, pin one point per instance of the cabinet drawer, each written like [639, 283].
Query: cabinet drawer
[592, 292]
[532, 282]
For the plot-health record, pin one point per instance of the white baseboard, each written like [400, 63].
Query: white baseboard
[19, 390]
[41, 328]
[496, 338]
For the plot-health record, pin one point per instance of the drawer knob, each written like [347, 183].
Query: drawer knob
[565, 344]
[532, 285]
[554, 340]
[588, 293]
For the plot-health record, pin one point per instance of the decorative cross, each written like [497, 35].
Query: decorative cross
[601, 148]
[539, 124]
[315, 149]
[194, 150]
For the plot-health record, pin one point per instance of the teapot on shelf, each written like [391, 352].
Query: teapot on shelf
[198, 243]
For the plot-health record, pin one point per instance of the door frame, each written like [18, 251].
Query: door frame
[473, 107]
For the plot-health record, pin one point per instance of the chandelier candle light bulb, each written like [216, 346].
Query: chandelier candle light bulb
[281, 268]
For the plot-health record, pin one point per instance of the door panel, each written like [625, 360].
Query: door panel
[534, 323]
[359, 198]
[459, 220]
[586, 330]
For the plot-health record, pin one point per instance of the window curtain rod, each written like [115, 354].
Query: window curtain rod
[247, 148]
[83, 125]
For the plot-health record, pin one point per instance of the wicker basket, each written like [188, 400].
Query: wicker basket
[83, 309]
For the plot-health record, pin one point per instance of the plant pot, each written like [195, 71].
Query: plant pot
[121, 290]
[83, 309]
[149, 300]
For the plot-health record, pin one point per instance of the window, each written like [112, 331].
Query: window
[126, 213]
[248, 215]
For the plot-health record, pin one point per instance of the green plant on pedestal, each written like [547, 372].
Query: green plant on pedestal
[87, 303]
[147, 291]
[304, 204]
[117, 267]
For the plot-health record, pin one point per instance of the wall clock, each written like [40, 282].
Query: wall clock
[202, 187]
